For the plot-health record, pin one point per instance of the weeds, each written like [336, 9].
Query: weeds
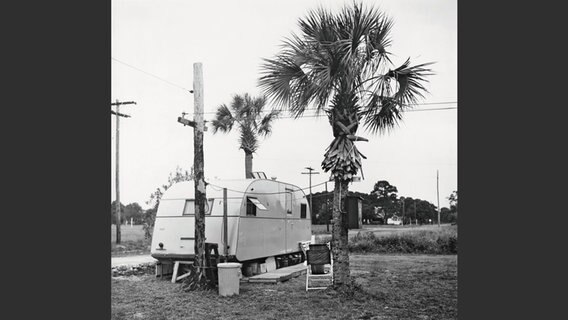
[444, 241]
[131, 247]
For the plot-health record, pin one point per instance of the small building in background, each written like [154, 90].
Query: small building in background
[354, 212]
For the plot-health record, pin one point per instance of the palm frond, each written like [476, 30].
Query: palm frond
[284, 81]
[265, 127]
[319, 25]
[258, 104]
[410, 81]
[379, 39]
[276, 76]
[224, 120]
[238, 105]
[382, 114]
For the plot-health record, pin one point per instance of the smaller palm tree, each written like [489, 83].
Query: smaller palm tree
[248, 113]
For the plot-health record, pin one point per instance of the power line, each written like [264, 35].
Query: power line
[431, 109]
[288, 117]
[411, 110]
[262, 193]
[152, 75]
[185, 89]
[322, 116]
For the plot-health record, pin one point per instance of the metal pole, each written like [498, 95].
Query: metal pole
[225, 228]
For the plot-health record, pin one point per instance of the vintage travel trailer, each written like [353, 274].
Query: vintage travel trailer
[265, 218]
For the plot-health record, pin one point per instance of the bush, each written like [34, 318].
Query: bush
[443, 241]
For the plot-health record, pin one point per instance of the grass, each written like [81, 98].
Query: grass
[426, 239]
[379, 230]
[127, 233]
[321, 229]
[433, 241]
[391, 287]
[132, 241]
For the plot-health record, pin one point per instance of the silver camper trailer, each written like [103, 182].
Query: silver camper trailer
[265, 218]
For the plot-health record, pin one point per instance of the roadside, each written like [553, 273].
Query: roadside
[132, 260]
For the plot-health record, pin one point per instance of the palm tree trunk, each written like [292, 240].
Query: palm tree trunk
[248, 165]
[339, 237]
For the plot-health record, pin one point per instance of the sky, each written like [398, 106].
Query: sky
[154, 45]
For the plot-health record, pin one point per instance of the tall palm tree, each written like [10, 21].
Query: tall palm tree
[248, 113]
[339, 65]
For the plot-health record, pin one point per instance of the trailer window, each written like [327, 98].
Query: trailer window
[252, 205]
[303, 211]
[189, 208]
[289, 201]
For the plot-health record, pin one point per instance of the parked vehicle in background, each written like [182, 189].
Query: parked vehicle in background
[394, 221]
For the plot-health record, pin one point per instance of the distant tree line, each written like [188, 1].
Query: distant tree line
[130, 211]
[383, 202]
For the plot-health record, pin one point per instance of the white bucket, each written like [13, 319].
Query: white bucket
[228, 278]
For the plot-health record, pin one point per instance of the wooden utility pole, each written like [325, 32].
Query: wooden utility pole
[415, 217]
[198, 125]
[326, 207]
[310, 172]
[402, 199]
[438, 194]
[118, 115]
[200, 196]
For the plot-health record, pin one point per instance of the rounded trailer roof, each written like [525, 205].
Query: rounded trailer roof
[214, 189]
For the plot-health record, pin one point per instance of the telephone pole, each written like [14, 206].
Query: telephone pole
[402, 199]
[438, 195]
[118, 115]
[198, 125]
[415, 217]
[310, 173]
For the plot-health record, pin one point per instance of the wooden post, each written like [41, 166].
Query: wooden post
[403, 212]
[438, 195]
[200, 196]
[415, 218]
[118, 115]
[326, 207]
[117, 175]
[225, 227]
[310, 172]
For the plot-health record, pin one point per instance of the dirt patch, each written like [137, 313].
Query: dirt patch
[141, 269]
